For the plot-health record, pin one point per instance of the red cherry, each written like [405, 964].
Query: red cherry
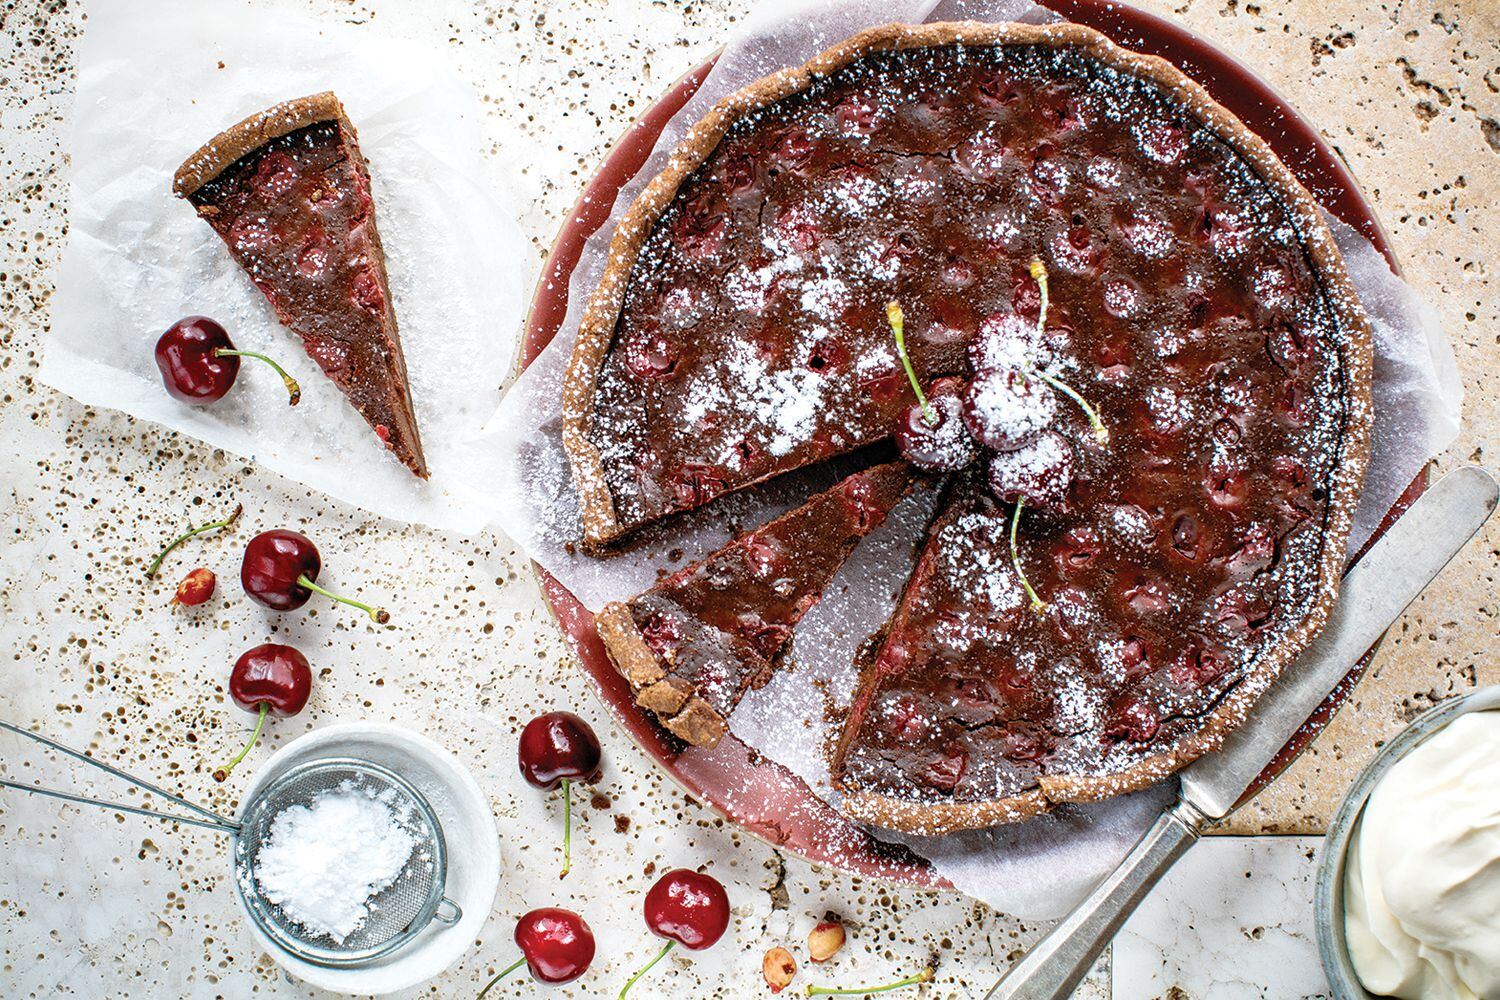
[943, 445]
[559, 748]
[1005, 340]
[1038, 474]
[556, 947]
[1134, 718]
[198, 362]
[687, 908]
[269, 679]
[1008, 409]
[280, 571]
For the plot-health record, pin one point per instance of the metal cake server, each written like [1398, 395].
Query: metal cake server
[1372, 596]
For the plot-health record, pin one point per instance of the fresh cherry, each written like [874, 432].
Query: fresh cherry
[280, 571]
[931, 435]
[1005, 340]
[195, 588]
[687, 908]
[1007, 408]
[934, 437]
[199, 363]
[556, 947]
[1038, 473]
[559, 748]
[212, 526]
[270, 679]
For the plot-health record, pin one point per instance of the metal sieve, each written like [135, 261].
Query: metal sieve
[398, 912]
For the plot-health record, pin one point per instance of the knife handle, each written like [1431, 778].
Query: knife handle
[1057, 963]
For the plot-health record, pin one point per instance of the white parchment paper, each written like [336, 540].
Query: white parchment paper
[1037, 869]
[157, 78]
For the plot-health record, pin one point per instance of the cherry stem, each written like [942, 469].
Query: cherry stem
[377, 615]
[156, 563]
[293, 390]
[222, 774]
[501, 975]
[1101, 433]
[1039, 273]
[1037, 604]
[898, 329]
[925, 976]
[659, 956]
[567, 787]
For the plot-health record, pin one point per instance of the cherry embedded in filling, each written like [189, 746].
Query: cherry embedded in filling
[1134, 718]
[650, 355]
[695, 484]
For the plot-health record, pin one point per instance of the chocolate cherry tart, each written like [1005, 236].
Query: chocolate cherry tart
[199, 364]
[280, 571]
[557, 749]
[269, 679]
[1202, 362]
[556, 945]
[687, 908]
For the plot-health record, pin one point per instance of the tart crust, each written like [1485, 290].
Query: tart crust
[249, 134]
[596, 333]
[681, 711]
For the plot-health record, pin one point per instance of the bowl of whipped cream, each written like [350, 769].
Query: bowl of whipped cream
[1408, 891]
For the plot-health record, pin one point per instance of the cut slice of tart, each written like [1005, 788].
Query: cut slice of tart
[695, 643]
[289, 192]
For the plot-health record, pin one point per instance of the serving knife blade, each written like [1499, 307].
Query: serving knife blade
[1372, 596]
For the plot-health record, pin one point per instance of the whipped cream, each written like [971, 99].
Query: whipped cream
[1422, 878]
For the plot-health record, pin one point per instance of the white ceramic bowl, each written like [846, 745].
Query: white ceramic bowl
[1329, 904]
[468, 828]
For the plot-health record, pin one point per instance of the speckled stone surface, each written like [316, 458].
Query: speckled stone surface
[101, 904]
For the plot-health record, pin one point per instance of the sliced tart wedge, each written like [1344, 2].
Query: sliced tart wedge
[695, 643]
[288, 191]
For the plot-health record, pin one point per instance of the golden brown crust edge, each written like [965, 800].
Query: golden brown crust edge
[673, 702]
[249, 134]
[597, 329]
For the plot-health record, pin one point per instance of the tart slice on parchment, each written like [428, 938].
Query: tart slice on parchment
[696, 642]
[289, 192]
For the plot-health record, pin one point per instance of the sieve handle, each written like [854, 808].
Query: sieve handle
[206, 817]
[448, 912]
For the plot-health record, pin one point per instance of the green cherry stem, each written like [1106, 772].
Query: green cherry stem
[501, 975]
[1039, 275]
[1101, 433]
[378, 615]
[567, 787]
[293, 390]
[897, 320]
[659, 956]
[925, 976]
[1037, 604]
[222, 774]
[156, 563]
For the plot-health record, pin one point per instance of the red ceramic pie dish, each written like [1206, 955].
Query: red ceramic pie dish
[755, 793]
